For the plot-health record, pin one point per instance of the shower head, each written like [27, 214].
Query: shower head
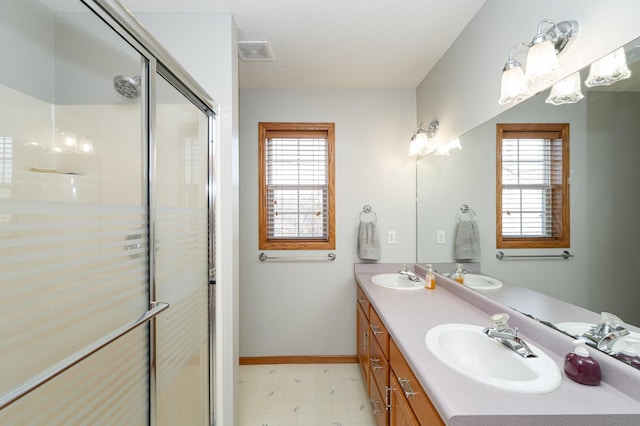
[129, 87]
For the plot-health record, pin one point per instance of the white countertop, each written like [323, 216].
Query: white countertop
[408, 315]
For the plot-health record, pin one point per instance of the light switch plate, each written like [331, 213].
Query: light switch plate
[440, 237]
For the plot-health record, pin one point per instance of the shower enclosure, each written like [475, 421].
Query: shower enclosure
[106, 222]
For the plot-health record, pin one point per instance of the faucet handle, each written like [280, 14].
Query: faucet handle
[499, 321]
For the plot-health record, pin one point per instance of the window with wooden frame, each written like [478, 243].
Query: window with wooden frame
[532, 190]
[296, 186]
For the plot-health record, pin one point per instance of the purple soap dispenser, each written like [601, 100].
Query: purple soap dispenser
[580, 367]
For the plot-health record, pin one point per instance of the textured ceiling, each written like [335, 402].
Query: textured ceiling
[337, 43]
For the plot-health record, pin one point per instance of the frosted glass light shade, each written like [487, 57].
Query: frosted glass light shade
[566, 91]
[608, 70]
[542, 66]
[413, 147]
[420, 145]
[513, 87]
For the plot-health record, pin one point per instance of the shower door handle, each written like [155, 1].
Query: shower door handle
[23, 389]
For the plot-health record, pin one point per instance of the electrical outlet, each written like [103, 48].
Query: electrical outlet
[440, 237]
[391, 237]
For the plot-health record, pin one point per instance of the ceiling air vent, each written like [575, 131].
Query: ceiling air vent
[255, 51]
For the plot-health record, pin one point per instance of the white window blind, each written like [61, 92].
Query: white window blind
[531, 186]
[297, 186]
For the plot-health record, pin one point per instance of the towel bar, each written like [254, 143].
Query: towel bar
[329, 257]
[500, 255]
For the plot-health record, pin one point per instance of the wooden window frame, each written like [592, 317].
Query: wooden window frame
[296, 129]
[561, 219]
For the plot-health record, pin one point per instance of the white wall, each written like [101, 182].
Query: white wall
[298, 308]
[462, 90]
[205, 44]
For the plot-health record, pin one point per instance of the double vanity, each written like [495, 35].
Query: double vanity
[436, 357]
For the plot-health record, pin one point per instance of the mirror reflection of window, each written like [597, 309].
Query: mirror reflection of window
[532, 190]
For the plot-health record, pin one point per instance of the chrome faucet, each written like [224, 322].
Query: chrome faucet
[604, 335]
[407, 273]
[508, 336]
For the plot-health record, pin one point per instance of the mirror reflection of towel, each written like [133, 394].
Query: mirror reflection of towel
[467, 243]
[368, 241]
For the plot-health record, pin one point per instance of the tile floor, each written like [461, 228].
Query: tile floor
[303, 394]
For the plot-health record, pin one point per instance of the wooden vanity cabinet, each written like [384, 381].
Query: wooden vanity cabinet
[397, 399]
[373, 354]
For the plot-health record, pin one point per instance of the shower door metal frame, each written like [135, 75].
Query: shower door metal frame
[160, 61]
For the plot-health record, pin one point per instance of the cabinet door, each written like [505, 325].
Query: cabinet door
[362, 300]
[417, 398]
[362, 339]
[401, 413]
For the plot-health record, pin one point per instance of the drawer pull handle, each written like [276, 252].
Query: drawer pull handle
[376, 406]
[404, 384]
[388, 393]
[365, 341]
[376, 330]
[375, 363]
[361, 301]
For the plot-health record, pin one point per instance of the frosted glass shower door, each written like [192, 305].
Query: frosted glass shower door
[74, 251]
[181, 229]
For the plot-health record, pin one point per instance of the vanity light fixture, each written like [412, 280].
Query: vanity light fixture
[425, 142]
[420, 144]
[542, 67]
[566, 91]
[608, 70]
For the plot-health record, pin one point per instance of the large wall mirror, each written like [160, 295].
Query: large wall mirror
[604, 204]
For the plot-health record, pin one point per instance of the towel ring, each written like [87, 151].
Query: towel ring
[465, 209]
[367, 210]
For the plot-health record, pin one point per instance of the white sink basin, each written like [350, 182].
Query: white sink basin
[467, 350]
[481, 282]
[396, 281]
[579, 328]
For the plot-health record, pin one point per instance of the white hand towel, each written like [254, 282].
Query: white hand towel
[368, 241]
[467, 243]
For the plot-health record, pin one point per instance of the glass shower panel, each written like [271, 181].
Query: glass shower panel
[73, 213]
[181, 225]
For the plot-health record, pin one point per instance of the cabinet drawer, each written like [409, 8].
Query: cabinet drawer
[378, 405]
[362, 300]
[401, 413]
[416, 396]
[379, 331]
[378, 366]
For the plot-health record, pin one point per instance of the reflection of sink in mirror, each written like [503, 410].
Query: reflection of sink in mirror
[481, 282]
[577, 329]
[466, 349]
[397, 281]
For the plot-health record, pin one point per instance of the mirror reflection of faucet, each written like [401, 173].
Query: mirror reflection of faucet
[606, 333]
[508, 336]
[457, 273]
